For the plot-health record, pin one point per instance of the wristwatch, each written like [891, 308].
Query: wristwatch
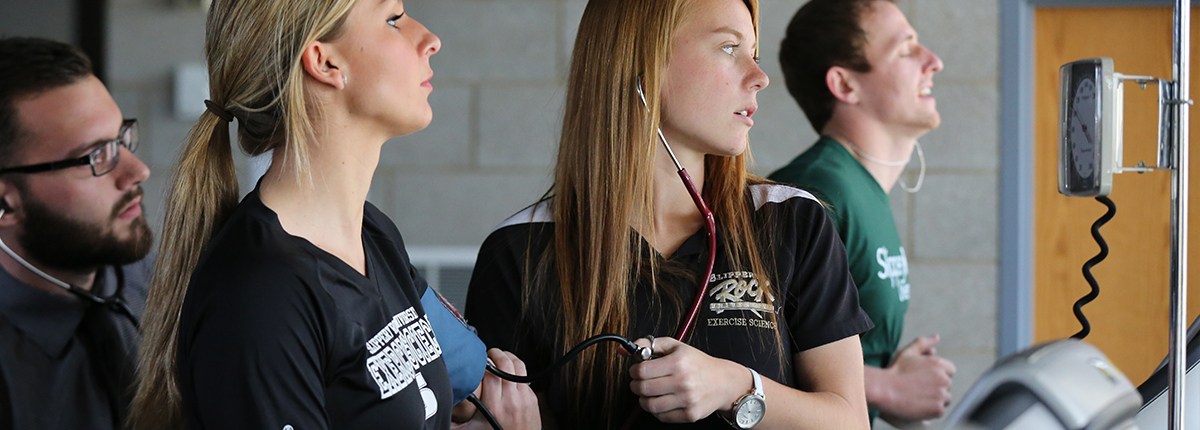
[750, 409]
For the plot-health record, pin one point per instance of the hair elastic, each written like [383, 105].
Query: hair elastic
[218, 111]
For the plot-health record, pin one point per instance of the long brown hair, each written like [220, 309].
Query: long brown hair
[603, 188]
[253, 50]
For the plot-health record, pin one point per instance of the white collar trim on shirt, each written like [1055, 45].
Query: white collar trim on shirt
[777, 193]
[762, 193]
[537, 213]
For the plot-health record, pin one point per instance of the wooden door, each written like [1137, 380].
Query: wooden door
[1130, 318]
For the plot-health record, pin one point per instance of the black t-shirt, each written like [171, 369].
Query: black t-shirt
[275, 333]
[817, 303]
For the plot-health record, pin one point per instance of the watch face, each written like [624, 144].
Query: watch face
[750, 412]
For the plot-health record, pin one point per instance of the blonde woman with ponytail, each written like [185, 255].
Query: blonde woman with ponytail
[618, 246]
[297, 308]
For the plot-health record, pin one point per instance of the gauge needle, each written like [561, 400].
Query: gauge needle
[1085, 128]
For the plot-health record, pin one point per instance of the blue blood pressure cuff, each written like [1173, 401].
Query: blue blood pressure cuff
[464, 353]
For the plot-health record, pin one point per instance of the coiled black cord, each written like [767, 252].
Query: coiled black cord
[1087, 267]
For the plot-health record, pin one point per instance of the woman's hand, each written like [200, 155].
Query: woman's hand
[513, 405]
[686, 385]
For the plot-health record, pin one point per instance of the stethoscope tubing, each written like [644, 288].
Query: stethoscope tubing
[626, 344]
[685, 327]
[710, 225]
[115, 302]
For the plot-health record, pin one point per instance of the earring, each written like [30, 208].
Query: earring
[345, 80]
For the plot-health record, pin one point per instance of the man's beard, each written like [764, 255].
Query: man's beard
[57, 241]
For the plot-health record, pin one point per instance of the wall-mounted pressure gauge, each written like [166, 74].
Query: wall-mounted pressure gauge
[1087, 120]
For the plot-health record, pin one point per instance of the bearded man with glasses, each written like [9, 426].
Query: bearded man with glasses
[73, 271]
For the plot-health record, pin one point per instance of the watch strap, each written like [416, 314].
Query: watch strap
[758, 385]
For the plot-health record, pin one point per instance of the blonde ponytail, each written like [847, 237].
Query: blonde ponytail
[253, 49]
[203, 191]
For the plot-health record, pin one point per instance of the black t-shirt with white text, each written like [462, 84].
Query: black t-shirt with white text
[277, 334]
[817, 301]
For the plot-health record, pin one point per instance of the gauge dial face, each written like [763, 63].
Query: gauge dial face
[1083, 125]
[1089, 118]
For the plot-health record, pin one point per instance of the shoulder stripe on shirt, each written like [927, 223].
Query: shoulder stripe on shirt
[777, 193]
[537, 213]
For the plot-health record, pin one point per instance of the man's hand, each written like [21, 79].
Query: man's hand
[915, 386]
[512, 404]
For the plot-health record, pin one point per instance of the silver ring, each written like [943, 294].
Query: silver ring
[651, 337]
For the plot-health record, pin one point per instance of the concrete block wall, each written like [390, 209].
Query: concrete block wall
[950, 227]
[498, 96]
[51, 19]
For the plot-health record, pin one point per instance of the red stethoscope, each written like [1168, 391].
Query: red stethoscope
[710, 226]
[685, 326]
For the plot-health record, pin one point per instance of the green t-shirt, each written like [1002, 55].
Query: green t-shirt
[863, 216]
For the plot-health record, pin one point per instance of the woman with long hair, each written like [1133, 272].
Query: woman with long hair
[618, 244]
[298, 307]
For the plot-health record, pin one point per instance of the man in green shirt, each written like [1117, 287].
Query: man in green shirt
[865, 83]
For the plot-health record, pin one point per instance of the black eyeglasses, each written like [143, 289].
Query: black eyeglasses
[103, 159]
